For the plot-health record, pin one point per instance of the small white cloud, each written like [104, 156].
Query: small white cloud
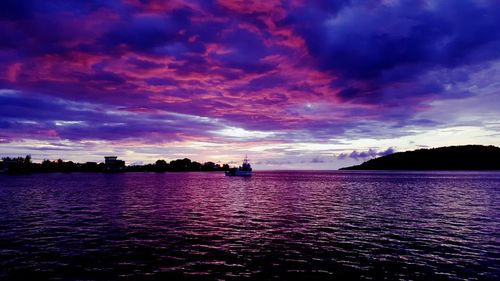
[235, 132]
[67, 123]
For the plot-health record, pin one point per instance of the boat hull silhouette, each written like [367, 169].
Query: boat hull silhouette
[238, 173]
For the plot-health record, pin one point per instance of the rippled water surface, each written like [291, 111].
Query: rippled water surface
[284, 225]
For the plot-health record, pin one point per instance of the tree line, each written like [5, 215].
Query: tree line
[24, 165]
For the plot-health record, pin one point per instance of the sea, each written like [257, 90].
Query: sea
[275, 225]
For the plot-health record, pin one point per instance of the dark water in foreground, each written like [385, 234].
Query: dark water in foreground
[285, 225]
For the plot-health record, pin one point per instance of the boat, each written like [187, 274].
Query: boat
[245, 170]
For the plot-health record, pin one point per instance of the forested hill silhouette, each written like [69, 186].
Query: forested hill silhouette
[466, 157]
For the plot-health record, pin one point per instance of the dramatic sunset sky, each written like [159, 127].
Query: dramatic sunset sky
[293, 84]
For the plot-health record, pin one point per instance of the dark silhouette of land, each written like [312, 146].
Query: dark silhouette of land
[24, 165]
[467, 157]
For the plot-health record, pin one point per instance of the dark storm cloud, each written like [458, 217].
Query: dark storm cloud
[383, 44]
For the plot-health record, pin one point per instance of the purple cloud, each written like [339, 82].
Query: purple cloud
[302, 71]
[363, 155]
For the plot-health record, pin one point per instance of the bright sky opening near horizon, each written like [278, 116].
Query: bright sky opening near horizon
[294, 84]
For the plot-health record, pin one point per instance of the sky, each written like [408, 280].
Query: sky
[294, 84]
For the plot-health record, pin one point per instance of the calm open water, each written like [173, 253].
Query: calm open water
[283, 225]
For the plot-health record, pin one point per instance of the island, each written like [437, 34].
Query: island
[465, 157]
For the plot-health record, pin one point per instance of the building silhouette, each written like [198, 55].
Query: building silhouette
[113, 164]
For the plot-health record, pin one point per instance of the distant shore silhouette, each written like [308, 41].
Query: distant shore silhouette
[466, 157]
[24, 165]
